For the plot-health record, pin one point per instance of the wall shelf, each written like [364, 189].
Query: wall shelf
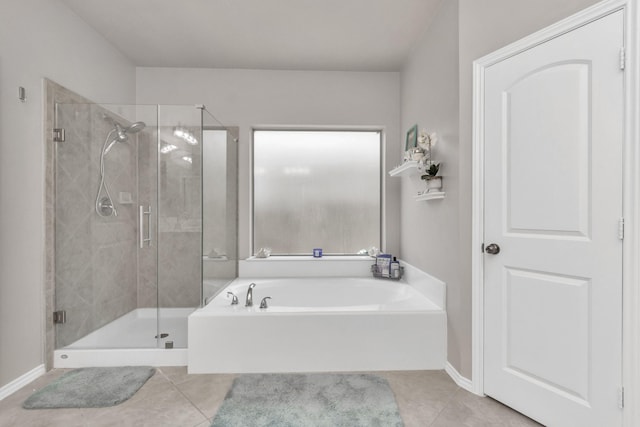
[410, 167]
[407, 168]
[434, 195]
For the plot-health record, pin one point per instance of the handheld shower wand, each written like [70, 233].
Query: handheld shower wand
[105, 206]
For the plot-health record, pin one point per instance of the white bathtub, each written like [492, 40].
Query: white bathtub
[320, 325]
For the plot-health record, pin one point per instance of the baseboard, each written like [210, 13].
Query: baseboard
[21, 381]
[462, 382]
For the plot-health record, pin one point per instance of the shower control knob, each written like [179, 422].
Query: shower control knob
[492, 249]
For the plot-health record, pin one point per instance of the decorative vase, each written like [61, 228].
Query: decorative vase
[434, 184]
[417, 154]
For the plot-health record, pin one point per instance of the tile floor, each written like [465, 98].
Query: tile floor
[174, 398]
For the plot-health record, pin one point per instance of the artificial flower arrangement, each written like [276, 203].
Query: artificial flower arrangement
[426, 141]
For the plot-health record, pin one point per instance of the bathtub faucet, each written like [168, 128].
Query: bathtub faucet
[234, 298]
[249, 301]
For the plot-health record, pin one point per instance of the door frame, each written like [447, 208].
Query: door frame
[631, 193]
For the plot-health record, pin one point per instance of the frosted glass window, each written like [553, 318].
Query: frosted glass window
[316, 189]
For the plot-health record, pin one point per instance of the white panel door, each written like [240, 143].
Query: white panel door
[553, 202]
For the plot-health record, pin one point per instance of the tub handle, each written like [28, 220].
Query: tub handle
[263, 303]
[234, 300]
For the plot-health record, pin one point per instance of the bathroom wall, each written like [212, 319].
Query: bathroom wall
[250, 98]
[437, 95]
[429, 230]
[38, 38]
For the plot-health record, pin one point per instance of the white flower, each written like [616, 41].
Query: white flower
[433, 138]
[427, 140]
[423, 137]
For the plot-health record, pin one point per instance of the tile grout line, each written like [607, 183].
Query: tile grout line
[446, 405]
[175, 386]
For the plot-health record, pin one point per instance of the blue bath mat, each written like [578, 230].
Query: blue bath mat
[91, 388]
[314, 400]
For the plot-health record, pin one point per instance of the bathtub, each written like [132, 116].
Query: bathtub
[320, 325]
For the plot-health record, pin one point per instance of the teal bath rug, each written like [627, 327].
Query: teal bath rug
[314, 400]
[91, 388]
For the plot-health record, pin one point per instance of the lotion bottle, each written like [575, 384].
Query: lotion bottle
[395, 269]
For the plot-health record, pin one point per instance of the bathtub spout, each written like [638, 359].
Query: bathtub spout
[249, 301]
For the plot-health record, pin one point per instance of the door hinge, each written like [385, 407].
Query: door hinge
[621, 397]
[60, 316]
[623, 58]
[621, 229]
[58, 135]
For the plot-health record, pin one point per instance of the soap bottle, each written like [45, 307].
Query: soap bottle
[395, 269]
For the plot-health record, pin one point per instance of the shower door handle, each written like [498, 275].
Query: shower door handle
[141, 216]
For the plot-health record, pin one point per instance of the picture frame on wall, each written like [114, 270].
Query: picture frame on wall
[412, 138]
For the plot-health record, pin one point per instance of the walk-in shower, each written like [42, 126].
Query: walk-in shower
[126, 239]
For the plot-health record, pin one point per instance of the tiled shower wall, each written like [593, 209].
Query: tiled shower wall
[95, 257]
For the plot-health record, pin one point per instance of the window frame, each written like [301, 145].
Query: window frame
[381, 165]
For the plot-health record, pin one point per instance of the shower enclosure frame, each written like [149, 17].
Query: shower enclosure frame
[54, 95]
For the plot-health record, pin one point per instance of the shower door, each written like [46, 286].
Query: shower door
[179, 220]
[127, 217]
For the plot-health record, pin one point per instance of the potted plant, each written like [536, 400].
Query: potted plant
[434, 182]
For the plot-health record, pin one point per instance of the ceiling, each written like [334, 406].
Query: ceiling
[336, 35]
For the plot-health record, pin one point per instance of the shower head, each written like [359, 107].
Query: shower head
[135, 127]
[122, 133]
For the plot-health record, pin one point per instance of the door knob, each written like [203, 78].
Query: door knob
[492, 249]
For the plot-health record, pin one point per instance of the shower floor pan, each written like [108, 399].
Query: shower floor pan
[131, 340]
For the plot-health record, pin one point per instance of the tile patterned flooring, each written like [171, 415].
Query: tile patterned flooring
[174, 398]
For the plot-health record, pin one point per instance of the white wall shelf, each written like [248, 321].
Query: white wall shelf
[407, 168]
[434, 195]
[410, 167]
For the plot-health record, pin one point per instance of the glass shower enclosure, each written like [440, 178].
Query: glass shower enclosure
[129, 225]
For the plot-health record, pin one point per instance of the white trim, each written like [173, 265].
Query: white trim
[631, 243]
[477, 231]
[461, 381]
[21, 381]
[631, 184]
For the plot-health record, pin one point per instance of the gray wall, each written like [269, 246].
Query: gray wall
[250, 98]
[429, 230]
[38, 38]
[437, 94]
